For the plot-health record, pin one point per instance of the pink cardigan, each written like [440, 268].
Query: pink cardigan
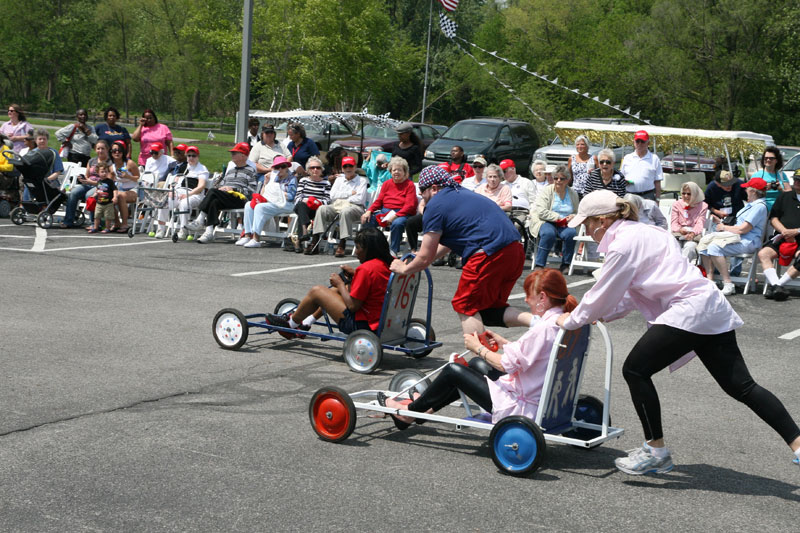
[693, 217]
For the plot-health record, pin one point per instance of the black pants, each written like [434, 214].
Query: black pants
[74, 157]
[454, 377]
[413, 229]
[304, 217]
[217, 200]
[663, 345]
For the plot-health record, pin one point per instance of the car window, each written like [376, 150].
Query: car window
[373, 131]
[426, 132]
[522, 133]
[793, 164]
[505, 134]
[471, 132]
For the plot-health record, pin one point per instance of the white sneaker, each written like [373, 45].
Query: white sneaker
[195, 226]
[244, 240]
[182, 234]
[253, 244]
[160, 233]
[207, 236]
[728, 289]
[642, 461]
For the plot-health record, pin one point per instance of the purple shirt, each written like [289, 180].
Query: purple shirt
[644, 270]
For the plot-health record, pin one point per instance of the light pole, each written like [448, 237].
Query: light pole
[244, 81]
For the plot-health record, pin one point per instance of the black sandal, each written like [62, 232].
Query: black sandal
[399, 424]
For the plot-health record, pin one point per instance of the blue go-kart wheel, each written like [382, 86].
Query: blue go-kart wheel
[517, 445]
[589, 409]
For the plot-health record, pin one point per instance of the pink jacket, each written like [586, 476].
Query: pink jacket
[644, 270]
[525, 361]
[694, 217]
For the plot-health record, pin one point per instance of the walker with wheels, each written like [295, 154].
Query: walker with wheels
[517, 444]
[363, 348]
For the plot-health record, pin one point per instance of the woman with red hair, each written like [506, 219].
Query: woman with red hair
[509, 381]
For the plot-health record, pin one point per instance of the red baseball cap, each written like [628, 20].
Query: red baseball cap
[641, 135]
[192, 148]
[786, 253]
[348, 161]
[507, 163]
[756, 183]
[242, 148]
[156, 147]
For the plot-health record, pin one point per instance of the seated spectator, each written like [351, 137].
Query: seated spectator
[395, 203]
[264, 152]
[478, 166]
[507, 382]
[156, 166]
[647, 210]
[606, 176]
[190, 189]
[409, 147]
[30, 143]
[78, 138]
[353, 307]
[724, 196]
[252, 132]
[349, 198]
[111, 132]
[743, 237]
[777, 182]
[539, 181]
[106, 196]
[276, 198]
[179, 164]
[522, 191]
[313, 192]
[234, 190]
[300, 147]
[376, 167]
[785, 218]
[494, 189]
[57, 167]
[688, 218]
[127, 173]
[86, 184]
[458, 167]
[555, 206]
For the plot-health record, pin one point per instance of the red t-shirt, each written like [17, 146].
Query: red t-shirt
[466, 172]
[369, 286]
[402, 198]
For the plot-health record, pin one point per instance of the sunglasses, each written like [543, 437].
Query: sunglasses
[280, 167]
[769, 158]
[153, 152]
[348, 166]
[117, 151]
[605, 162]
[314, 168]
[478, 166]
[639, 141]
[191, 155]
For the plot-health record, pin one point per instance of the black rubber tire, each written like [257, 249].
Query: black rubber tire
[589, 409]
[80, 219]
[420, 322]
[17, 215]
[332, 414]
[45, 220]
[130, 232]
[404, 378]
[286, 305]
[217, 331]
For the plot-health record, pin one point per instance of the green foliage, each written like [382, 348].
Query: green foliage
[689, 63]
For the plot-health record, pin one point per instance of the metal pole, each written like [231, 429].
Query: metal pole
[427, 60]
[244, 79]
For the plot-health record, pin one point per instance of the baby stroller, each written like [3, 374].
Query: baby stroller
[35, 166]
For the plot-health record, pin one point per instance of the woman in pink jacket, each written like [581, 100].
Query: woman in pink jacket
[687, 316]
[688, 217]
[512, 382]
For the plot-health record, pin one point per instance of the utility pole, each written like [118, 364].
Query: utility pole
[244, 81]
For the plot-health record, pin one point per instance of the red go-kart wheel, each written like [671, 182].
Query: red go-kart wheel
[332, 414]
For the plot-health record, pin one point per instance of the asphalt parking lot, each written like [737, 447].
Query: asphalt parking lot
[120, 412]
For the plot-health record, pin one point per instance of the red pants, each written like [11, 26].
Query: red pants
[487, 281]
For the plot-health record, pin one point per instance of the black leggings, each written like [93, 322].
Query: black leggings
[454, 377]
[413, 229]
[304, 217]
[663, 345]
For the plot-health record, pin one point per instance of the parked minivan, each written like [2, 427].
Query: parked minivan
[494, 138]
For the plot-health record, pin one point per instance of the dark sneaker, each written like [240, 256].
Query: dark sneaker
[781, 294]
[282, 321]
[769, 294]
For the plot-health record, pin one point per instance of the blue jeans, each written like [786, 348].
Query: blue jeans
[396, 229]
[76, 194]
[547, 238]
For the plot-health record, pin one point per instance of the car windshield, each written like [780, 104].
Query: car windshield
[793, 164]
[471, 132]
[372, 131]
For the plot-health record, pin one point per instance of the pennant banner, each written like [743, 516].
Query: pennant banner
[449, 29]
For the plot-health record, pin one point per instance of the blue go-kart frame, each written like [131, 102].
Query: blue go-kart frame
[517, 443]
[363, 349]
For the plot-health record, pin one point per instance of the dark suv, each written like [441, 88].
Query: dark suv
[495, 138]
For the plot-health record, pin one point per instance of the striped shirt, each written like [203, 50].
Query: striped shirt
[241, 179]
[594, 182]
[321, 190]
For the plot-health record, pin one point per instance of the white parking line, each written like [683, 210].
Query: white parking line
[573, 284]
[41, 238]
[791, 335]
[241, 274]
[85, 247]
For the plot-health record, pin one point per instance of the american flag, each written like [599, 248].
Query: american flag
[449, 5]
